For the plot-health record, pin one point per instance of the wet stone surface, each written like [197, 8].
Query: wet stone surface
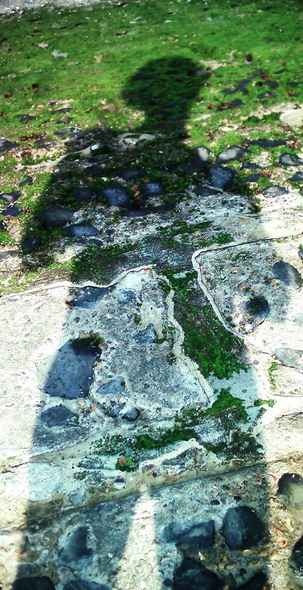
[242, 528]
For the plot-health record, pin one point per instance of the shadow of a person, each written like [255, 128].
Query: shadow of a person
[110, 362]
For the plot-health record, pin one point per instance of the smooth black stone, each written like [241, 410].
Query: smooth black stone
[205, 191]
[290, 357]
[65, 121]
[300, 253]
[200, 534]
[290, 485]
[250, 166]
[81, 230]
[116, 196]
[237, 102]
[63, 110]
[287, 159]
[257, 582]
[76, 547]
[149, 210]
[266, 94]
[252, 177]
[83, 585]
[234, 152]
[297, 177]
[151, 189]
[131, 415]
[44, 143]
[94, 171]
[72, 131]
[83, 194]
[131, 173]
[268, 143]
[6, 145]
[87, 297]
[287, 273]
[296, 562]
[10, 198]
[25, 118]
[31, 244]
[146, 336]
[11, 210]
[191, 575]
[56, 216]
[274, 191]
[39, 583]
[221, 177]
[242, 528]
[68, 373]
[58, 416]
[112, 387]
[272, 84]
[202, 153]
[26, 180]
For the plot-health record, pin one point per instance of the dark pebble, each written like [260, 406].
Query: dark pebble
[37, 583]
[290, 357]
[69, 131]
[44, 143]
[83, 585]
[300, 253]
[234, 152]
[63, 110]
[11, 211]
[76, 547]
[31, 244]
[252, 177]
[290, 485]
[205, 191]
[112, 387]
[65, 121]
[58, 416]
[257, 308]
[56, 216]
[274, 190]
[257, 582]
[68, 373]
[287, 159]
[116, 196]
[131, 173]
[237, 102]
[296, 563]
[192, 575]
[114, 411]
[146, 336]
[287, 273]
[131, 415]
[202, 153]
[83, 194]
[80, 230]
[194, 535]
[10, 198]
[151, 189]
[25, 118]
[26, 180]
[268, 143]
[6, 145]
[94, 171]
[297, 177]
[250, 166]
[242, 528]
[221, 177]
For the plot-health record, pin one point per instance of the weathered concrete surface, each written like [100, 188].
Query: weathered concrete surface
[109, 464]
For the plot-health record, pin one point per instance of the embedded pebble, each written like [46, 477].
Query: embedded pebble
[83, 194]
[234, 152]
[131, 173]
[116, 196]
[55, 216]
[36, 583]
[242, 528]
[287, 273]
[76, 546]
[31, 244]
[58, 416]
[192, 575]
[151, 189]
[297, 177]
[87, 297]
[81, 230]
[221, 177]
[6, 145]
[200, 534]
[287, 159]
[274, 191]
